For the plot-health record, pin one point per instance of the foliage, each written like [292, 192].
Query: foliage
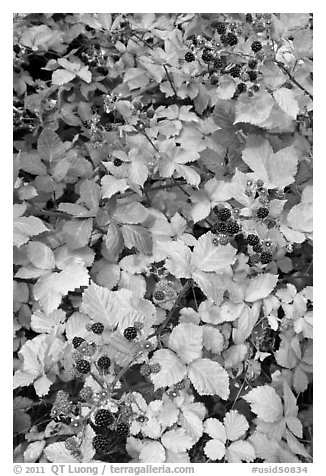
[163, 191]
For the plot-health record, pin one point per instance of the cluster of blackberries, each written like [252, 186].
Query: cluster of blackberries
[225, 224]
[261, 254]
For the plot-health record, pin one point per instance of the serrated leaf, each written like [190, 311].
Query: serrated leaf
[266, 403]
[25, 227]
[215, 429]
[212, 339]
[62, 76]
[286, 100]
[254, 110]
[214, 449]
[177, 440]
[192, 424]
[296, 446]
[111, 185]
[188, 173]
[152, 452]
[75, 210]
[130, 213]
[50, 146]
[172, 369]
[139, 237]
[100, 304]
[85, 74]
[90, 193]
[235, 425]
[113, 242]
[240, 451]
[179, 258]
[300, 216]
[209, 378]
[245, 324]
[76, 233]
[42, 323]
[40, 255]
[49, 290]
[211, 284]
[33, 451]
[234, 354]
[186, 341]
[208, 257]
[276, 170]
[57, 453]
[260, 286]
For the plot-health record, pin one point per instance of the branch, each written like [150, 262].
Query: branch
[177, 303]
[294, 81]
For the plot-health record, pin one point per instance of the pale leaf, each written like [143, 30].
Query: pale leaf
[33, 451]
[62, 76]
[130, 213]
[235, 425]
[172, 369]
[209, 378]
[40, 255]
[266, 403]
[254, 110]
[57, 453]
[179, 257]
[25, 227]
[287, 102]
[50, 146]
[208, 257]
[111, 185]
[99, 303]
[240, 451]
[177, 440]
[260, 286]
[152, 452]
[214, 449]
[76, 233]
[113, 242]
[138, 237]
[212, 339]
[215, 429]
[186, 341]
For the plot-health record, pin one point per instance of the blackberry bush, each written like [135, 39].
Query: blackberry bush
[163, 239]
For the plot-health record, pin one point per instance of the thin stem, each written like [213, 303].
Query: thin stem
[182, 294]
[294, 81]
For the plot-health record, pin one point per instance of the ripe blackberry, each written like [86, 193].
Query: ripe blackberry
[232, 39]
[76, 341]
[214, 79]
[155, 368]
[103, 418]
[221, 28]
[193, 39]
[220, 227]
[241, 88]
[252, 75]
[189, 57]
[256, 46]
[83, 366]
[103, 70]
[262, 212]
[130, 333]
[101, 444]
[249, 18]
[117, 162]
[122, 429]
[233, 227]
[235, 71]
[222, 213]
[258, 248]
[266, 257]
[145, 370]
[159, 295]
[252, 64]
[150, 113]
[218, 63]
[255, 258]
[224, 39]
[207, 55]
[104, 362]
[253, 239]
[97, 328]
